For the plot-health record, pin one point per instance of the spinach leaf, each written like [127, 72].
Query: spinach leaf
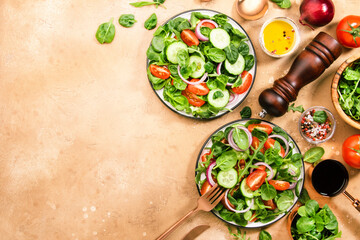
[240, 138]
[302, 211]
[332, 223]
[158, 43]
[264, 235]
[252, 121]
[146, 3]
[218, 147]
[183, 57]
[244, 48]
[174, 97]
[236, 32]
[320, 116]
[127, 20]
[304, 196]
[231, 53]
[284, 202]
[313, 154]
[216, 55]
[261, 135]
[218, 82]
[220, 19]
[305, 224]
[154, 56]
[226, 160]
[173, 70]
[311, 207]
[209, 67]
[268, 192]
[282, 3]
[179, 84]
[218, 136]
[205, 31]
[106, 32]
[180, 24]
[199, 15]
[151, 22]
[237, 82]
[296, 109]
[245, 112]
[249, 62]
[279, 131]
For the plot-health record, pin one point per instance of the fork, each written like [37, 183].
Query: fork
[205, 202]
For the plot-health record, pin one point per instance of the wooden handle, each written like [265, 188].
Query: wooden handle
[321, 52]
[178, 223]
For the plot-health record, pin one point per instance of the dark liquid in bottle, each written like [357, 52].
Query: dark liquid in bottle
[330, 178]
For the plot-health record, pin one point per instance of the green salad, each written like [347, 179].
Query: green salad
[349, 91]
[260, 168]
[200, 63]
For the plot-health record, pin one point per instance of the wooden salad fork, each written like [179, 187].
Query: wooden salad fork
[205, 203]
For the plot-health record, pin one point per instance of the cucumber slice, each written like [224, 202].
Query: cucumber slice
[245, 190]
[200, 70]
[227, 178]
[172, 50]
[248, 202]
[237, 67]
[298, 188]
[219, 38]
[218, 98]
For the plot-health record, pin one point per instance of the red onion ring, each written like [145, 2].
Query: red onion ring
[218, 68]
[198, 26]
[271, 175]
[284, 140]
[231, 139]
[202, 79]
[234, 210]
[208, 173]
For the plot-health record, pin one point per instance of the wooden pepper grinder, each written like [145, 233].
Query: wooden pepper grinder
[322, 51]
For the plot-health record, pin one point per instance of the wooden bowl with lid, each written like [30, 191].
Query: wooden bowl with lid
[335, 95]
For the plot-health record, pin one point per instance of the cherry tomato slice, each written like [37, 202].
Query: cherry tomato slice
[192, 98]
[270, 203]
[261, 126]
[280, 185]
[205, 187]
[159, 72]
[262, 167]
[207, 24]
[351, 151]
[189, 37]
[270, 144]
[246, 82]
[255, 144]
[199, 89]
[256, 179]
[203, 157]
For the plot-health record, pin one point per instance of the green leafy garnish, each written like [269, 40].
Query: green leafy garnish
[127, 20]
[106, 32]
[245, 112]
[147, 3]
[320, 116]
[299, 108]
[313, 154]
[151, 22]
[239, 235]
[264, 235]
[282, 3]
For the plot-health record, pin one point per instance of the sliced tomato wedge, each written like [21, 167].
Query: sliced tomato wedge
[246, 83]
[205, 187]
[203, 157]
[270, 203]
[261, 126]
[199, 89]
[192, 98]
[207, 24]
[262, 167]
[280, 185]
[189, 37]
[270, 143]
[256, 179]
[255, 144]
[159, 72]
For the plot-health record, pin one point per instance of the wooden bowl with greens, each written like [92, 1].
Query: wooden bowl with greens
[345, 91]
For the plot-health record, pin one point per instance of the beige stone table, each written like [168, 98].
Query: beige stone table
[87, 150]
